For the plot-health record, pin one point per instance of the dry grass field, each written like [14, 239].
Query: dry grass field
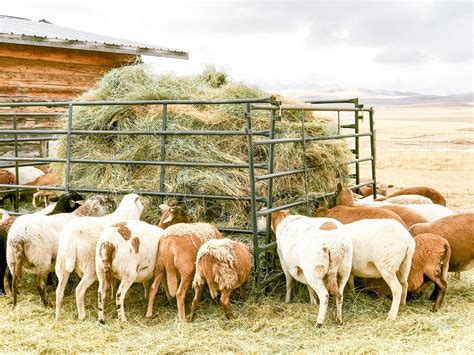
[422, 150]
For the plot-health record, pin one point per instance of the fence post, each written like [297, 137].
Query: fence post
[164, 125]
[68, 147]
[357, 146]
[253, 203]
[373, 151]
[271, 159]
[17, 170]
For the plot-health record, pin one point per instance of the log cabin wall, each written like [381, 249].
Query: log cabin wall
[39, 73]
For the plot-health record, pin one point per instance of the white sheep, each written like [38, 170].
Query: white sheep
[408, 200]
[26, 174]
[382, 248]
[316, 252]
[431, 212]
[33, 243]
[76, 250]
[126, 251]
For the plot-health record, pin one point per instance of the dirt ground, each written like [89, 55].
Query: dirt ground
[427, 146]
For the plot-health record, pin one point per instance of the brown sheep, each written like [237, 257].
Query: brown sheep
[428, 192]
[177, 251]
[346, 212]
[409, 216]
[382, 189]
[431, 259]
[458, 230]
[224, 265]
[7, 177]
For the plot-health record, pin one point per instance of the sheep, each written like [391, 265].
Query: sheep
[381, 189]
[127, 251]
[177, 253]
[77, 246]
[316, 252]
[435, 196]
[407, 200]
[6, 178]
[48, 179]
[409, 216]
[224, 265]
[33, 243]
[458, 230]
[66, 203]
[382, 248]
[431, 212]
[346, 212]
[430, 261]
[26, 174]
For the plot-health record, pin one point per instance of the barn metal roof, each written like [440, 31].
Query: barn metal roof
[19, 30]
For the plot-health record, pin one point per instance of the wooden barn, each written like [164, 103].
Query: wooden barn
[40, 61]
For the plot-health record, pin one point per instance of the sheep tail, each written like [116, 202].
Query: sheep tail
[107, 256]
[172, 281]
[445, 261]
[18, 259]
[333, 287]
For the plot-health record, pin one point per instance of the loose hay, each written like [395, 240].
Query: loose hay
[138, 83]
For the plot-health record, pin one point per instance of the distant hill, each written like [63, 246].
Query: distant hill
[382, 97]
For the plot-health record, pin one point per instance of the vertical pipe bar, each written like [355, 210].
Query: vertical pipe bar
[373, 151]
[271, 154]
[68, 147]
[305, 184]
[338, 122]
[17, 170]
[253, 204]
[164, 124]
[357, 147]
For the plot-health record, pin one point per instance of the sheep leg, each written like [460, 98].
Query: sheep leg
[242, 291]
[86, 281]
[152, 293]
[225, 303]
[392, 282]
[186, 279]
[404, 284]
[41, 287]
[101, 293]
[145, 289]
[342, 280]
[167, 293]
[62, 282]
[289, 281]
[323, 295]
[351, 283]
[196, 299]
[312, 295]
[120, 298]
[439, 290]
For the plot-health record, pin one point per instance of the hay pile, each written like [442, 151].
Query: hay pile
[137, 82]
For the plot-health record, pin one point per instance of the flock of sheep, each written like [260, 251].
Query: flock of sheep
[393, 245]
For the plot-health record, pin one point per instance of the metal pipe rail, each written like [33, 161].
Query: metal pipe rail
[314, 138]
[138, 102]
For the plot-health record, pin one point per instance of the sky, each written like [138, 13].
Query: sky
[417, 46]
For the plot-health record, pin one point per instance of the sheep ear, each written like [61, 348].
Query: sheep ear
[164, 207]
[168, 219]
[72, 203]
[80, 202]
[339, 186]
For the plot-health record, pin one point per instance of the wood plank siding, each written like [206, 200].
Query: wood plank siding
[38, 73]
[34, 73]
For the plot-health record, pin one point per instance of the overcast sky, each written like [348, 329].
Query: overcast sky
[424, 46]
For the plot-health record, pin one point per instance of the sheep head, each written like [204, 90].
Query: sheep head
[172, 215]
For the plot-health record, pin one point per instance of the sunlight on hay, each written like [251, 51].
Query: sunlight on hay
[138, 83]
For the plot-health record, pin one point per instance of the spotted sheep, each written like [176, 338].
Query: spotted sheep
[77, 249]
[33, 243]
[316, 252]
[126, 251]
[177, 251]
[224, 265]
